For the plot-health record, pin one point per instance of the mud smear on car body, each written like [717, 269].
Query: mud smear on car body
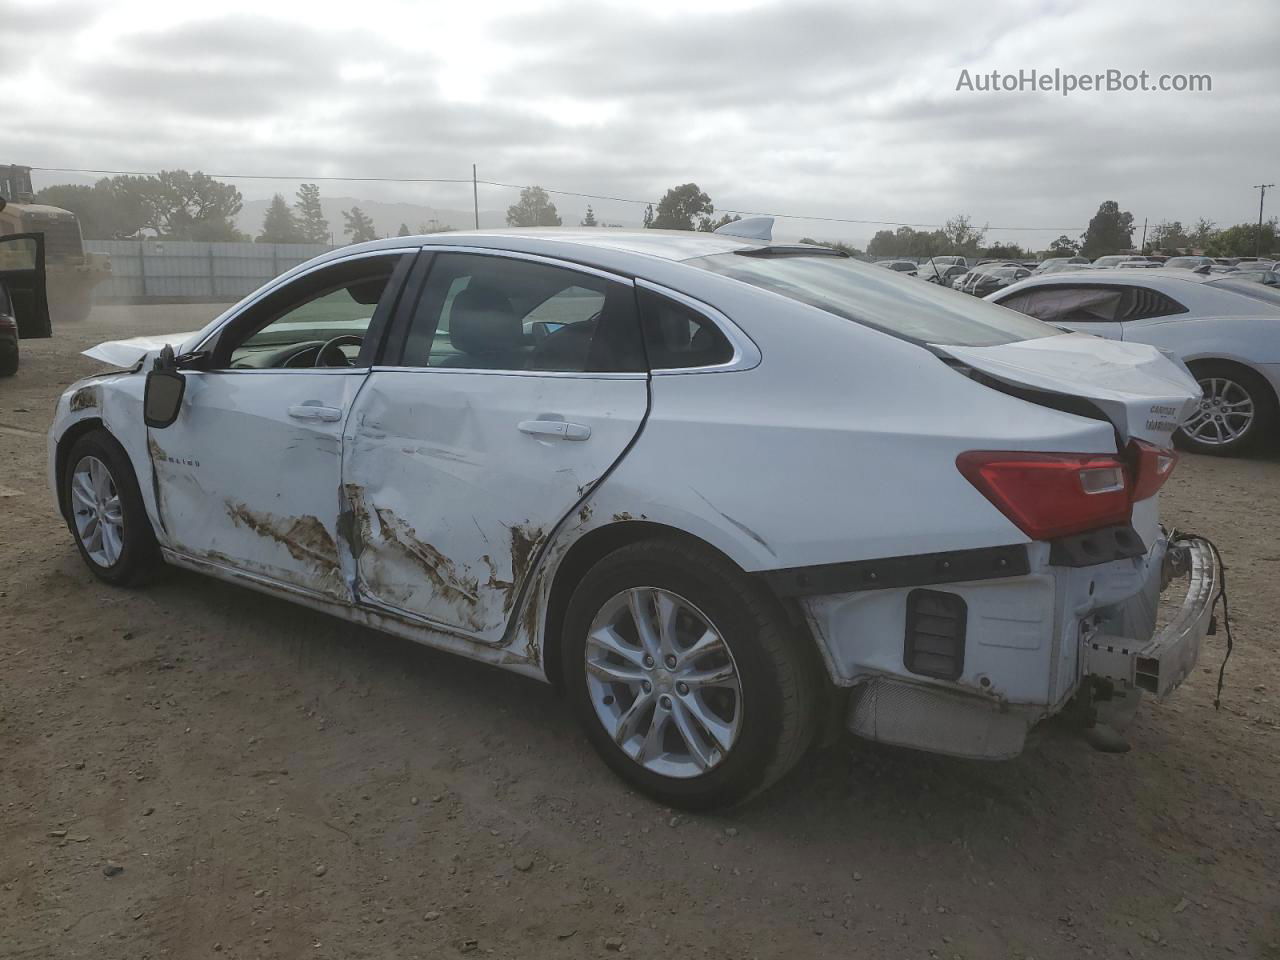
[304, 537]
[440, 570]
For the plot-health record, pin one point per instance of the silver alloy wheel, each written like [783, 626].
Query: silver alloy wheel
[95, 505]
[1225, 413]
[663, 682]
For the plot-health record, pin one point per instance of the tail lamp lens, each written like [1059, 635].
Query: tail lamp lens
[1050, 495]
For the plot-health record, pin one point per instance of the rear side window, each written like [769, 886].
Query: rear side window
[1092, 304]
[482, 312]
[677, 337]
[879, 298]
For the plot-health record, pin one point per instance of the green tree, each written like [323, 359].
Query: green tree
[1201, 235]
[1168, 235]
[535, 209]
[590, 219]
[1006, 251]
[403, 231]
[962, 236]
[1110, 231]
[1064, 246]
[311, 220]
[1242, 240]
[279, 225]
[184, 206]
[105, 212]
[359, 225]
[681, 207]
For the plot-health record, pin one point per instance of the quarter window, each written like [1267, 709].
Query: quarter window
[677, 337]
[482, 312]
[1092, 304]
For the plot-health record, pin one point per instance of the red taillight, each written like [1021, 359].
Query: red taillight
[1049, 495]
[1151, 468]
[1052, 495]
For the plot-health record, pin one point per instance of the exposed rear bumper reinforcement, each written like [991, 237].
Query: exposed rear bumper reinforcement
[951, 566]
[1159, 664]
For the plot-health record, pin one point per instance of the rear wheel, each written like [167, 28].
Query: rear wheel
[688, 680]
[105, 512]
[1235, 413]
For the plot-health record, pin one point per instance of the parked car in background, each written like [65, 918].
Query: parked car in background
[1115, 260]
[947, 261]
[946, 570]
[944, 274]
[1266, 274]
[1142, 263]
[1062, 268]
[1226, 330]
[1050, 262]
[900, 266]
[1188, 263]
[995, 278]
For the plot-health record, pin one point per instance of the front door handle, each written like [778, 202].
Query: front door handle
[312, 410]
[560, 429]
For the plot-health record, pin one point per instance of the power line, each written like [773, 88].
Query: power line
[524, 186]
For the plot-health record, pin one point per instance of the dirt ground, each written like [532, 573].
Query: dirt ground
[275, 783]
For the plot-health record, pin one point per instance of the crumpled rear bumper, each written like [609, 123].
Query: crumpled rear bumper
[927, 716]
[1159, 664]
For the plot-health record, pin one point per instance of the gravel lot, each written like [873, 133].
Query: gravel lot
[275, 783]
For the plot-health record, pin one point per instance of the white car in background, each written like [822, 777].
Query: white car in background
[677, 474]
[1225, 329]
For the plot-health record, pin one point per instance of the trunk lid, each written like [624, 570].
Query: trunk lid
[1144, 393]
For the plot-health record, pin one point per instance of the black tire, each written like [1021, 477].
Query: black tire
[1258, 391]
[139, 556]
[777, 670]
[9, 362]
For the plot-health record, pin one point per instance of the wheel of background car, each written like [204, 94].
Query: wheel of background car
[330, 352]
[9, 361]
[690, 684]
[1236, 412]
[104, 511]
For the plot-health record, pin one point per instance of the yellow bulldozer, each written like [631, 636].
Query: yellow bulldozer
[71, 273]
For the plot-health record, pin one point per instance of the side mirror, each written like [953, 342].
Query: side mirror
[162, 397]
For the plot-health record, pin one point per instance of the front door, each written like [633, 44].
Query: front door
[520, 383]
[248, 476]
[22, 275]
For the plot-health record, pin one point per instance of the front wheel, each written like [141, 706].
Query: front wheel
[1234, 414]
[687, 678]
[105, 511]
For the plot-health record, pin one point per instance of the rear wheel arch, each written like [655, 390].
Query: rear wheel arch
[1254, 381]
[1209, 360]
[595, 545]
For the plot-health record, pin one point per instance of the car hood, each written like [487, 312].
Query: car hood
[125, 353]
[1144, 393]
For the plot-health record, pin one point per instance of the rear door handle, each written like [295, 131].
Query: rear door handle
[312, 410]
[561, 429]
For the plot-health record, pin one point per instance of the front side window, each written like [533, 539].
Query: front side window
[317, 320]
[482, 312]
[879, 298]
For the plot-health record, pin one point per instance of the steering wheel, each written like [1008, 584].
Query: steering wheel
[330, 352]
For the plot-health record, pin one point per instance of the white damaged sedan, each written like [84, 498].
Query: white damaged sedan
[718, 489]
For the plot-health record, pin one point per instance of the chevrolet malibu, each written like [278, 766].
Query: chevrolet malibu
[716, 488]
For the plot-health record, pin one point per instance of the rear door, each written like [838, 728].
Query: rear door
[22, 273]
[516, 383]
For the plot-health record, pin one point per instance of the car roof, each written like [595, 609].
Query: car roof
[674, 245]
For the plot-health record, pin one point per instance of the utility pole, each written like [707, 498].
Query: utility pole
[475, 195]
[1257, 249]
[1143, 248]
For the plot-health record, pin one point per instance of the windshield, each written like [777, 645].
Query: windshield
[899, 305]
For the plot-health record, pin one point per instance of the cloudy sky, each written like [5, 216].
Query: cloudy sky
[813, 108]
